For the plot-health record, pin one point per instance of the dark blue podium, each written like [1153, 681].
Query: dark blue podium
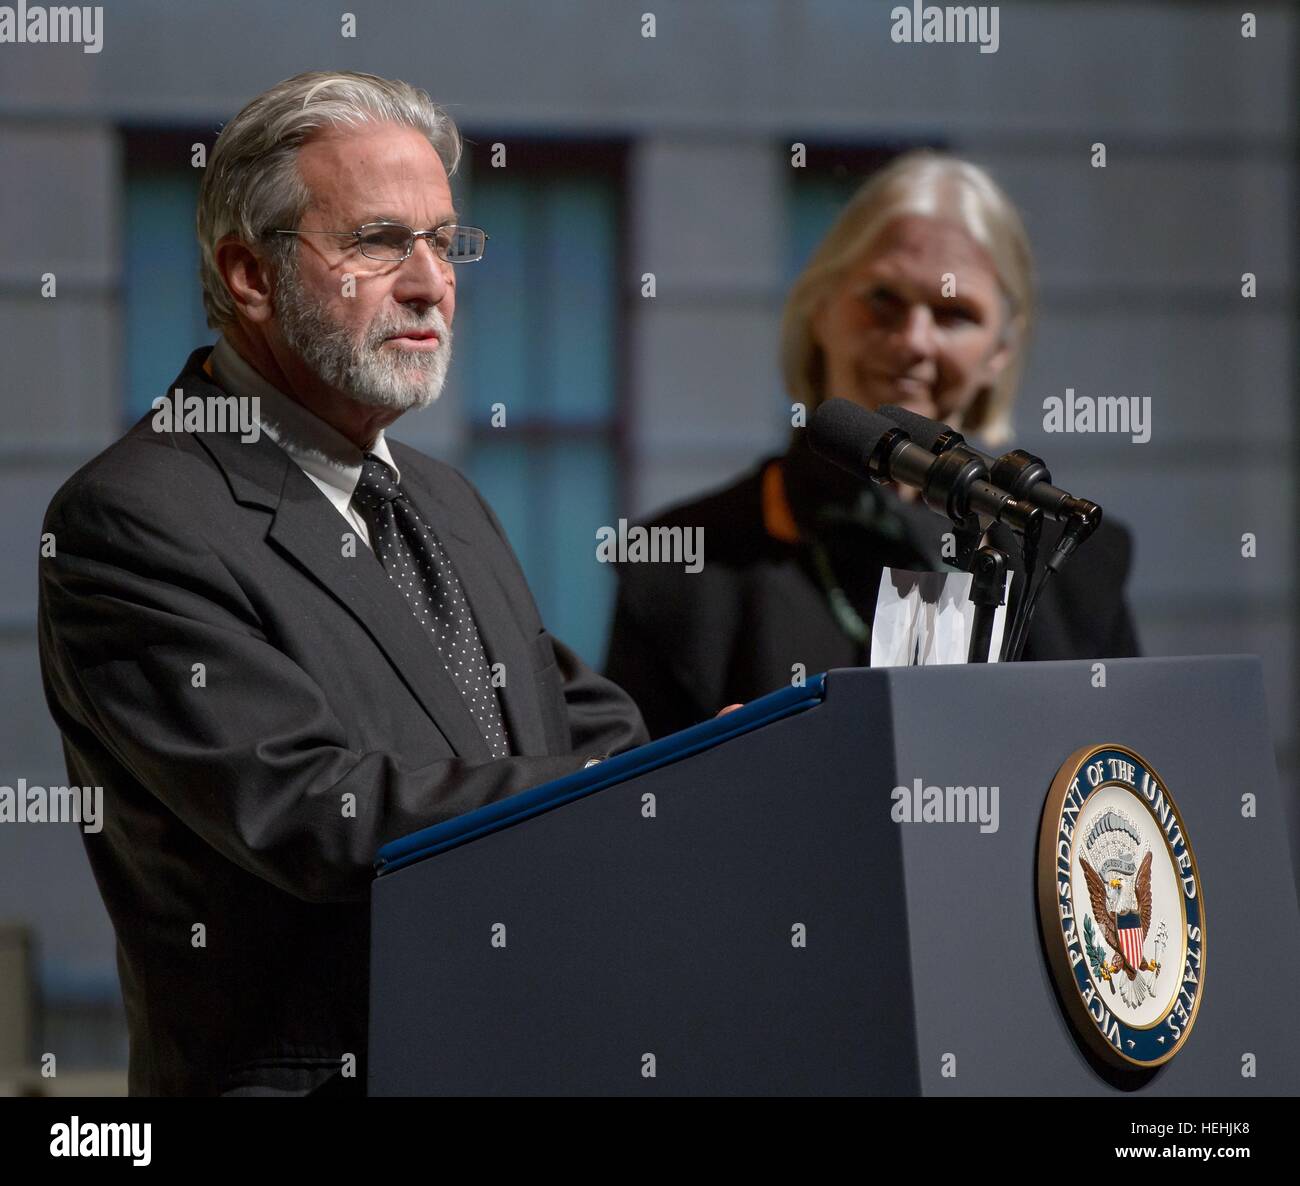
[732, 910]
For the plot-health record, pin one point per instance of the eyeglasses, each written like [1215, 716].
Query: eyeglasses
[394, 241]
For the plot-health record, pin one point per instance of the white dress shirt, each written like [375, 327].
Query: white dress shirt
[323, 453]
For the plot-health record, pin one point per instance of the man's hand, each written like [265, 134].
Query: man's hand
[722, 712]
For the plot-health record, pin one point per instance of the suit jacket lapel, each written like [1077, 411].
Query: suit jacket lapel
[310, 529]
[503, 639]
[307, 528]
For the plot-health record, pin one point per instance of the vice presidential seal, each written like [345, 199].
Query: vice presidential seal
[1120, 903]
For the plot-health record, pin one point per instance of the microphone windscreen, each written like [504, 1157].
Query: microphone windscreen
[923, 431]
[847, 434]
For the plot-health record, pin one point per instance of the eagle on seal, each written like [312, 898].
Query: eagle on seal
[1113, 901]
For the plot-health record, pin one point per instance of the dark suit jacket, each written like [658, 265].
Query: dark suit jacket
[686, 644]
[242, 814]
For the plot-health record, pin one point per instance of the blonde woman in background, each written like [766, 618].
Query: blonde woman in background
[794, 550]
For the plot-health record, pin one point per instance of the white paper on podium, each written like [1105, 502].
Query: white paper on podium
[923, 618]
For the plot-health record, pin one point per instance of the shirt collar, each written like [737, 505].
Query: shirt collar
[318, 448]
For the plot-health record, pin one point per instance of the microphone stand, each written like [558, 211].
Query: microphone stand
[987, 589]
[947, 490]
[1084, 518]
[1028, 560]
[988, 567]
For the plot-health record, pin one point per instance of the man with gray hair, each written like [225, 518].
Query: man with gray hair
[278, 650]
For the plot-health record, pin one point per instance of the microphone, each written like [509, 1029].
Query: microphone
[953, 483]
[1019, 473]
[1022, 474]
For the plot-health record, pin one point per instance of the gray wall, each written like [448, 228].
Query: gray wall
[1140, 266]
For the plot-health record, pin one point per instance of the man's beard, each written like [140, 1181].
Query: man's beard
[365, 371]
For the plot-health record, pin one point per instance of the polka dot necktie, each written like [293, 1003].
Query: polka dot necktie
[419, 566]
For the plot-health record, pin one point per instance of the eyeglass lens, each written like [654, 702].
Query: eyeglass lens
[389, 241]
